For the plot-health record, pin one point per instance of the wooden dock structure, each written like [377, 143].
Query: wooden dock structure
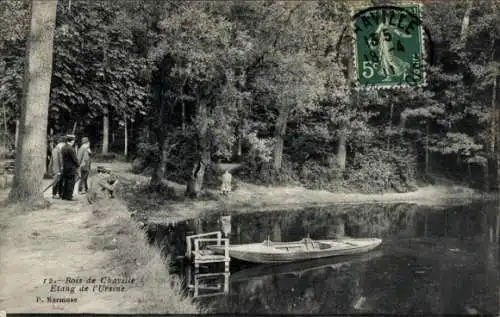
[197, 252]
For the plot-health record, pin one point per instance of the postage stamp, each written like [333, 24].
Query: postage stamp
[388, 47]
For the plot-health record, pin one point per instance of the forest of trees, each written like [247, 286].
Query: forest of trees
[177, 86]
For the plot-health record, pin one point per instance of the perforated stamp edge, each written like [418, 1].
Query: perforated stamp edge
[423, 50]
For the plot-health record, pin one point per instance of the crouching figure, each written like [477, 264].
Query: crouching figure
[102, 185]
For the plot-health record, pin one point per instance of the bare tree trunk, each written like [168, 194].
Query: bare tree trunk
[195, 182]
[161, 169]
[159, 132]
[497, 104]
[183, 116]
[105, 131]
[341, 148]
[5, 120]
[239, 146]
[16, 140]
[427, 148]
[32, 143]
[494, 100]
[279, 133]
[125, 150]
[465, 24]
[131, 132]
[486, 175]
[494, 143]
[495, 136]
[105, 118]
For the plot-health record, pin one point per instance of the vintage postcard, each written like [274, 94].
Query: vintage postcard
[250, 157]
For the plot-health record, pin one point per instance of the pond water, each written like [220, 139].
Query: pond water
[433, 261]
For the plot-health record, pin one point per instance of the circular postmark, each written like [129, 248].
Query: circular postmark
[389, 49]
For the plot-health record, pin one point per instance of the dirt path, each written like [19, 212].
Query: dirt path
[51, 243]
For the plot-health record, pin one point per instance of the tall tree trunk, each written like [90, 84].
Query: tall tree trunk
[105, 117]
[496, 104]
[465, 24]
[105, 131]
[236, 148]
[486, 175]
[125, 147]
[494, 139]
[32, 143]
[159, 132]
[279, 134]
[183, 116]
[341, 148]
[493, 155]
[16, 140]
[427, 149]
[183, 105]
[159, 171]
[195, 182]
[5, 120]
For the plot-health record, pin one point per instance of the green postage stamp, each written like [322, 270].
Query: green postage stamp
[388, 47]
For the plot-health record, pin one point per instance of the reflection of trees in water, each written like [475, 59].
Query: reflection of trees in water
[381, 220]
[375, 220]
[319, 223]
[325, 290]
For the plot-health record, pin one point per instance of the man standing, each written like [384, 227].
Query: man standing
[70, 167]
[83, 155]
[226, 183]
[57, 167]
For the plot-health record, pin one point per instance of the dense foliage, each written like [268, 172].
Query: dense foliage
[267, 84]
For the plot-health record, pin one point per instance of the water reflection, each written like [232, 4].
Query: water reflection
[433, 261]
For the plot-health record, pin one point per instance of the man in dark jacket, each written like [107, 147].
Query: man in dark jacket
[57, 167]
[70, 167]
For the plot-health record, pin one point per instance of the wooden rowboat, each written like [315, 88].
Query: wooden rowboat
[305, 249]
[298, 269]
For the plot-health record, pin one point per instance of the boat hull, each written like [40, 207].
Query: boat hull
[261, 271]
[259, 253]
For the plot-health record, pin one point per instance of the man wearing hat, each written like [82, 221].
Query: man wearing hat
[70, 167]
[83, 155]
[57, 167]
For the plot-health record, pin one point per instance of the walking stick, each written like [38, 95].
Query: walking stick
[53, 183]
[56, 180]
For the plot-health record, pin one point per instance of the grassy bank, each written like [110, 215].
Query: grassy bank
[171, 206]
[78, 240]
[157, 290]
